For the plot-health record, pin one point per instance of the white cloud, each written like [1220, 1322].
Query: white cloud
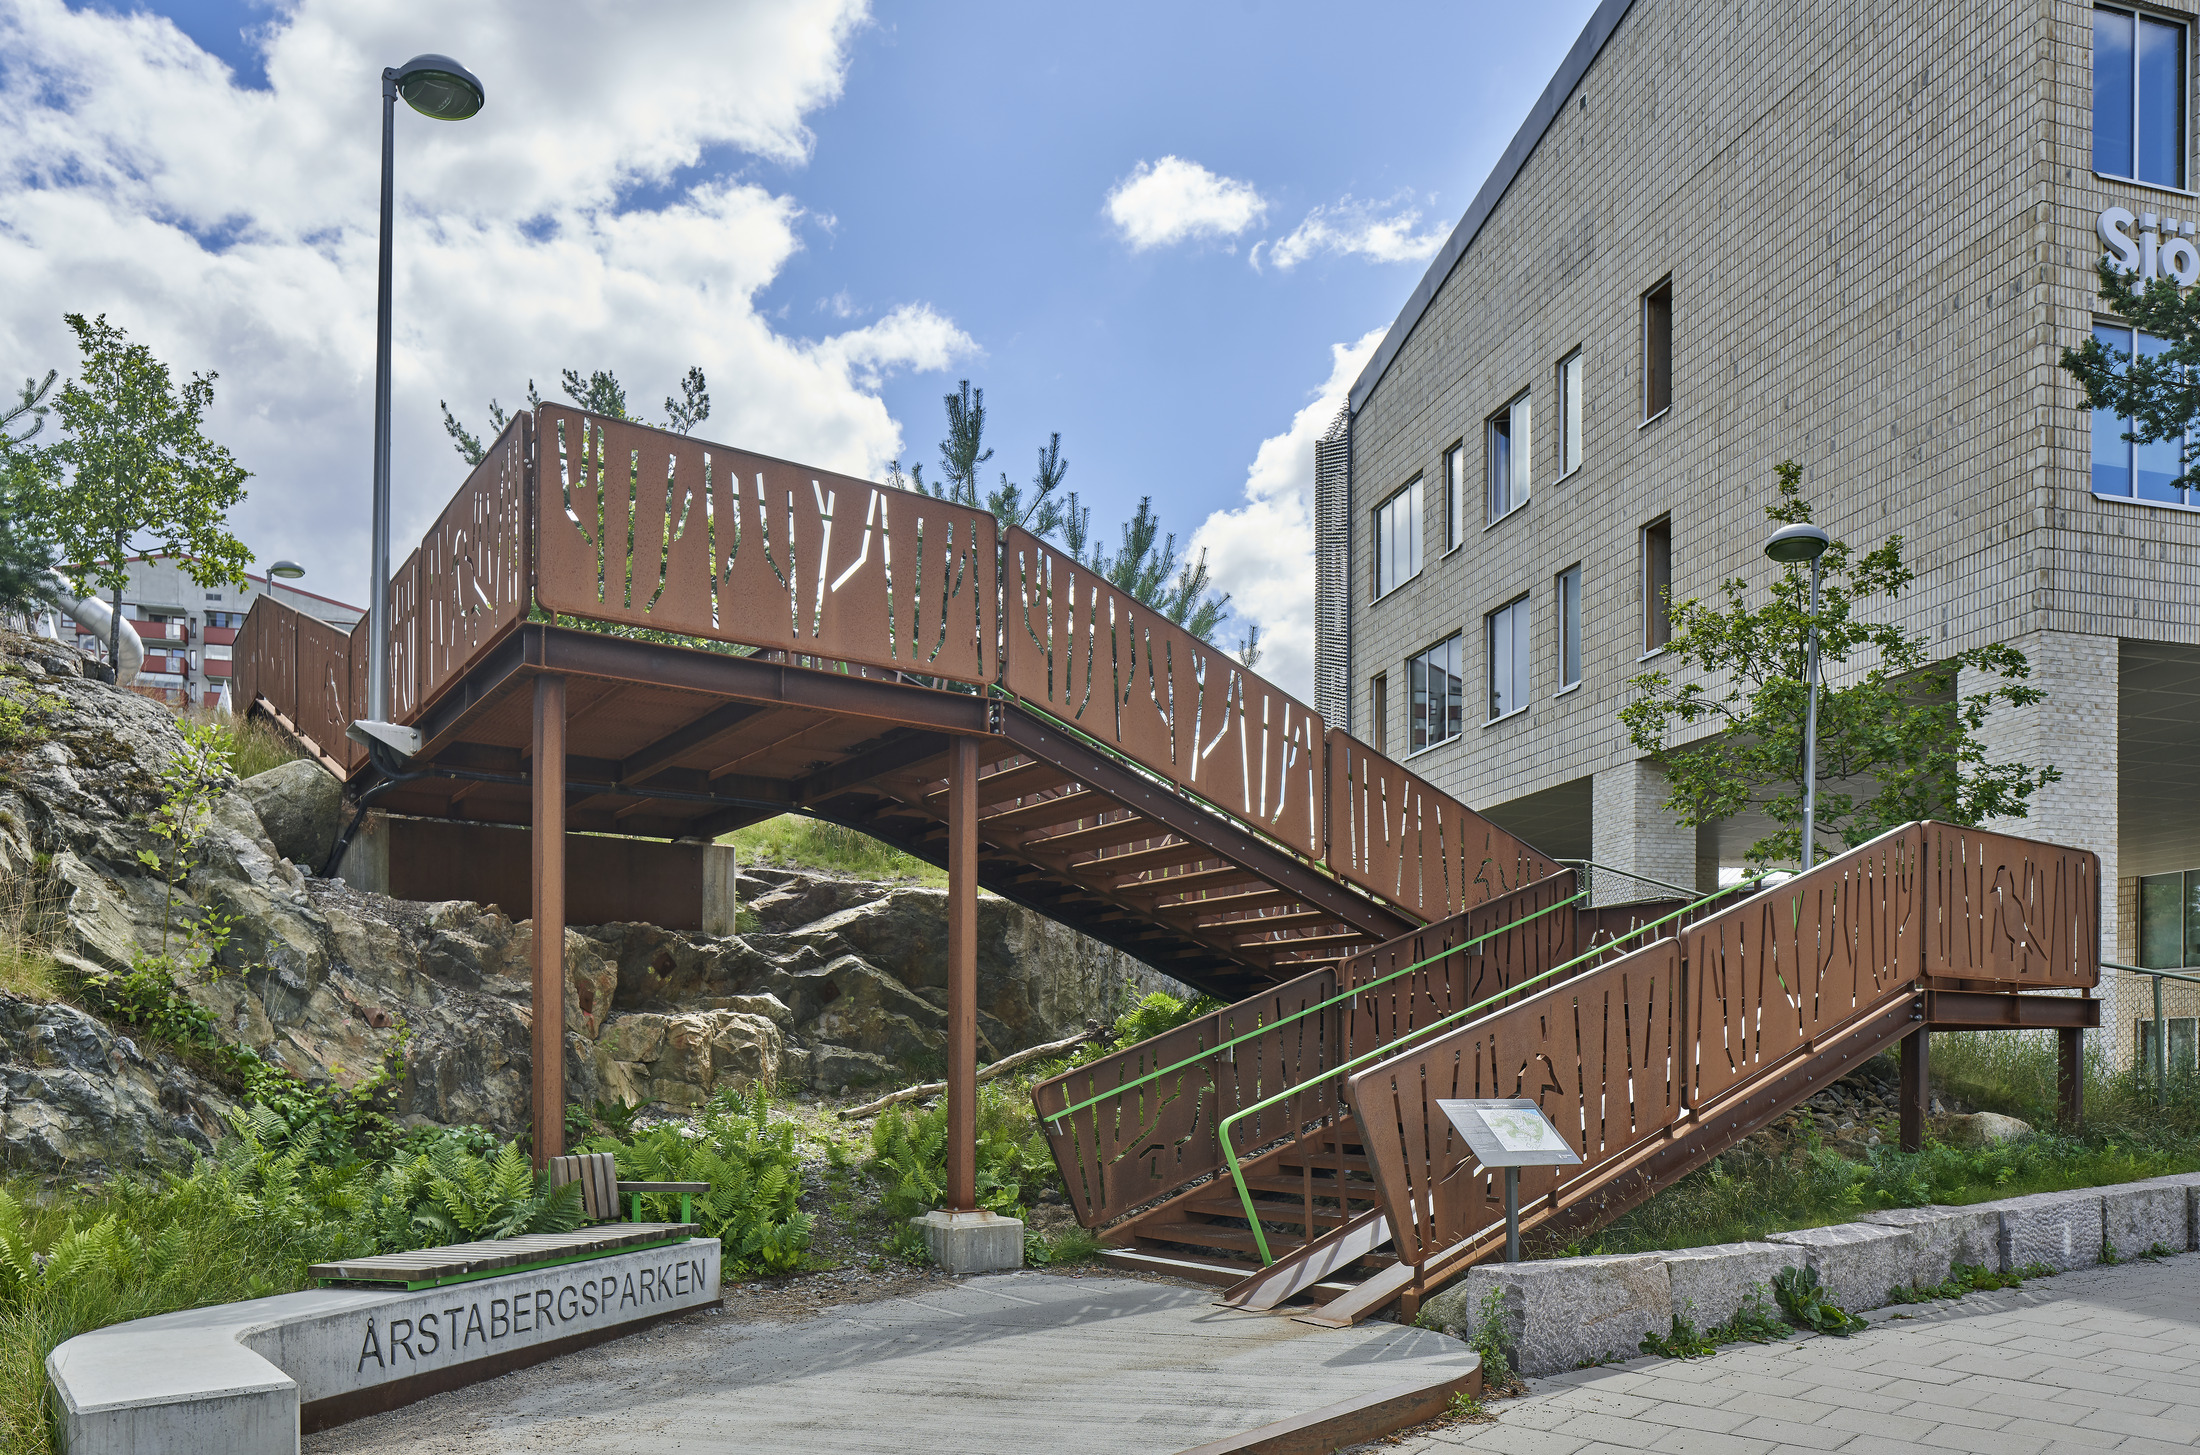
[1379, 231]
[235, 229]
[1173, 200]
[1263, 550]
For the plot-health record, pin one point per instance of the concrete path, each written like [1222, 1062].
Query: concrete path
[1012, 1364]
[2106, 1359]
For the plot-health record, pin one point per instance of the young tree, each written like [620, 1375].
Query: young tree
[1147, 571]
[599, 393]
[1900, 734]
[2159, 389]
[135, 462]
[24, 558]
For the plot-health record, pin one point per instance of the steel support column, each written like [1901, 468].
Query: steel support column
[2070, 1074]
[549, 944]
[962, 975]
[1917, 1092]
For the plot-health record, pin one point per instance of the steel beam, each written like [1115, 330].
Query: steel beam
[1917, 1093]
[1979, 1010]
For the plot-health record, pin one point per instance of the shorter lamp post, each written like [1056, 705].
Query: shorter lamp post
[1791, 546]
[286, 570]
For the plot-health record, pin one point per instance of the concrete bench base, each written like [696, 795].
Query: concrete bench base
[248, 1377]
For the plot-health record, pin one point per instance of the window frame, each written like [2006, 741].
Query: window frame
[1566, 607]
[1411, 487]
[1570, 414]
[1453, 710]
[1517, 418]
[1455, 495]
[1655, 617]
[2138, 15]
[1378, 709]
[1520, 648]
[2131, 496]
[1657, 299]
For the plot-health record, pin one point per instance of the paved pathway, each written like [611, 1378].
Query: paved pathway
[2107, 1359]
[1014, 1364]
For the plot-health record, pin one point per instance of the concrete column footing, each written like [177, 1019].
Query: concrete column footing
[972, 1242]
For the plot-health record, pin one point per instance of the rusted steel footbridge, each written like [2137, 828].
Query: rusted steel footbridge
[616, 630]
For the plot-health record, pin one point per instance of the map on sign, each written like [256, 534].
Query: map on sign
[1522, 1131]
[1508, 1132]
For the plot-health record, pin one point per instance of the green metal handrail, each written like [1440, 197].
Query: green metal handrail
[1222, 1130]
[1115, 1091]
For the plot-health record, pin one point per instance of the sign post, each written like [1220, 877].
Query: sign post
[1512, 1133]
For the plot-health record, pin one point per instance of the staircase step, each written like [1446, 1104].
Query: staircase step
[1317, 1262]
[1217, 1235]
[1227, 1206]
[1216, 1271]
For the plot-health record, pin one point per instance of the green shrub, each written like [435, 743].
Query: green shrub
[909, 1155]
[813, 843]
[1683, 1341]
[1806, 1306]
[754, 1172]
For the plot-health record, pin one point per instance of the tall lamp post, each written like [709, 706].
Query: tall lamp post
[1791, 546]
[443, 90]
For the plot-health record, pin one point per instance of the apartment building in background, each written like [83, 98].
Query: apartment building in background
[189, 629]
[1732, 233]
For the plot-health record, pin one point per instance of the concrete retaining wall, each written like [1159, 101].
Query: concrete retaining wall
[1562, 1312]
[242, 1378]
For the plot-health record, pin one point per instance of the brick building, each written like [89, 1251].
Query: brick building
[1730, 233]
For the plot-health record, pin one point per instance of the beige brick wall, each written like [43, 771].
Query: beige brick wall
[1878, 220]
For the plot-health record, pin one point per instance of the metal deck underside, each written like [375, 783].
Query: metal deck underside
[674, 742]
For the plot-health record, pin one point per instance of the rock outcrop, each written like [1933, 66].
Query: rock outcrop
[842, 982]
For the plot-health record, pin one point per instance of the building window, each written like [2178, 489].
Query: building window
[217, 654]
[1455, 495]
[1512, 445]
[1657, 350]
[1398, 539]
[1507, 633]
[1657, 584]
[2124, 469]
[1569, 626]
[1569, 413]
[2169, 920]
[1435, 696]
[2138, 96]
[213, 596]
[1378, 708]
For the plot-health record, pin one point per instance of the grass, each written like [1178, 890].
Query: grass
[255, 744]
[26, 948]
[1748, 1193]
[809, 843]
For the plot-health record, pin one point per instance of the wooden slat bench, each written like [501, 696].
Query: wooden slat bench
[601, 1189]
[464, 1262]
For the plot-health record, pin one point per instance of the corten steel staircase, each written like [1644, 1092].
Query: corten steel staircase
[1651, 1051]
[1136, 783]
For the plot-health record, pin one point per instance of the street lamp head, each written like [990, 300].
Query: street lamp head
[287, 570]
[1795, 545]
[438, 87]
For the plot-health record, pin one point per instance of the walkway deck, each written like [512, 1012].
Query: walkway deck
[1005, 1365]
[2102, 1360]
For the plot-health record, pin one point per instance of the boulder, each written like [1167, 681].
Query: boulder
[680, 1060]
[302, 808]
[78, 1097]
[1980, 1129]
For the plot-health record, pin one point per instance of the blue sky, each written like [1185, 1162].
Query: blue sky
[904, 197]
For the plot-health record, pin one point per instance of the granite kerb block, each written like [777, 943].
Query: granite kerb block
[2061, 1230]
[1563, 1312]
[1709, 1284]
[1946, 1236]
[2140, 1217]
[1859, 1263]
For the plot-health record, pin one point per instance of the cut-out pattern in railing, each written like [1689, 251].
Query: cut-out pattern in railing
[2011, 911]
[1598, 1053]
[324, 687]
[1775, 972]
[1151, 1140]
[652, 529]
[1417, 847]
[469, 578]
[1117, 670]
